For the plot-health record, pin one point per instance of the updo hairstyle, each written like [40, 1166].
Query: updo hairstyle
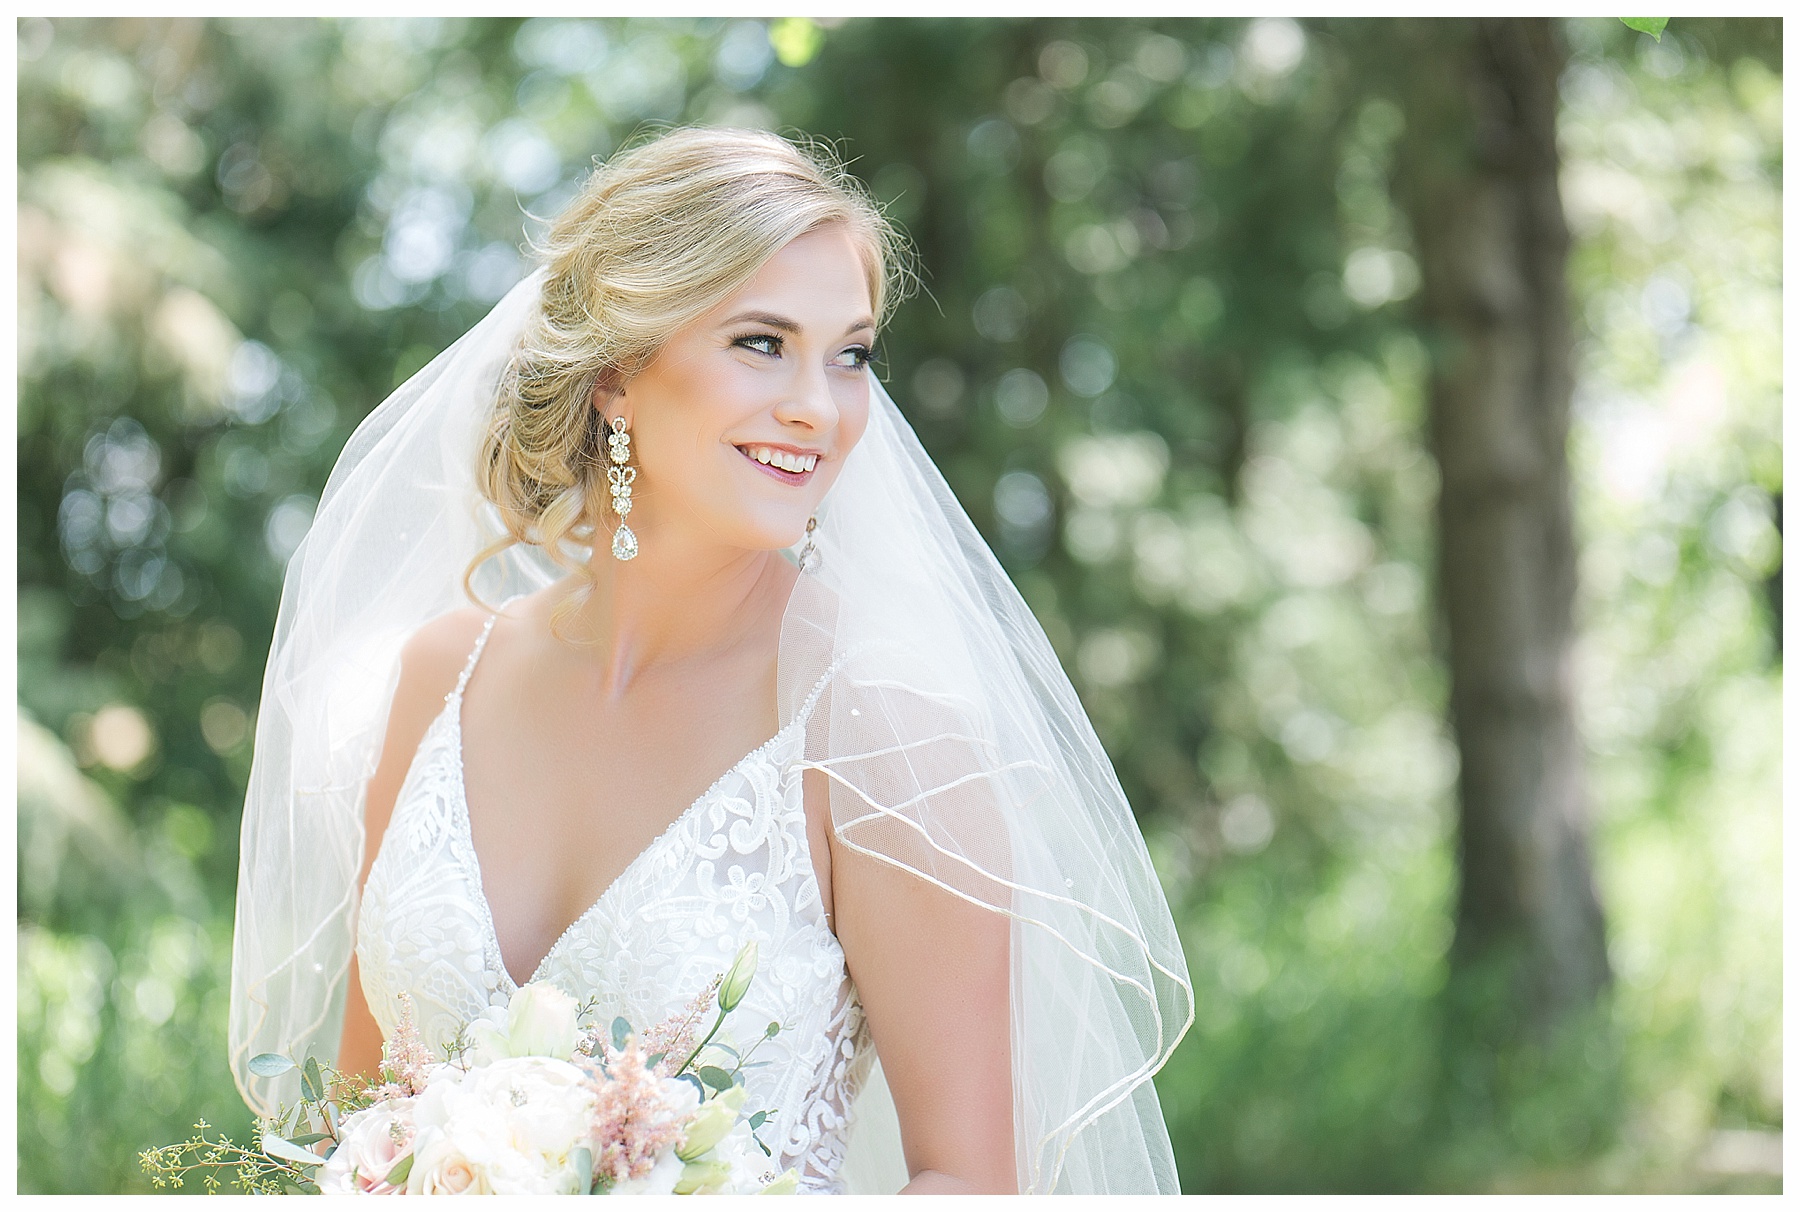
[658, 236]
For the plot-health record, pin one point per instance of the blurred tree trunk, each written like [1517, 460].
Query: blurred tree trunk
[1476, 172]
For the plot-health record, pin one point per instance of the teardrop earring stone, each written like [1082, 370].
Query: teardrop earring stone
[624, 543]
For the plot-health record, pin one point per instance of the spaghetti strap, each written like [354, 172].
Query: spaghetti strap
[481, 640]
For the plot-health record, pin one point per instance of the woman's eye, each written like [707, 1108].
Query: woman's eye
[855, 358]
[761, 342]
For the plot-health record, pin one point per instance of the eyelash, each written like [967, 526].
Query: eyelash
[864, 354]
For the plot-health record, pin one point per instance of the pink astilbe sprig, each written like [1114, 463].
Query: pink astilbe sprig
[674, 1037]
[634, 1124]
[406, 1061]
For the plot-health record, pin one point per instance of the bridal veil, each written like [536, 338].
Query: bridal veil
[953, 744]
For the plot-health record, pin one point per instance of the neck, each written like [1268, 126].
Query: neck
[683, 596]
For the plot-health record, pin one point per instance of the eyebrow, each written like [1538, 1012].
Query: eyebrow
[787, 325]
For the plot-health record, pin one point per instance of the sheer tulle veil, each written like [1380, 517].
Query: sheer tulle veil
[952, 742]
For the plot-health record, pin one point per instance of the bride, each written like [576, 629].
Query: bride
[654, 519]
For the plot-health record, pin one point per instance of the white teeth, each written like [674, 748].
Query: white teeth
[783, 459]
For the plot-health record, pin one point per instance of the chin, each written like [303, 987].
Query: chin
[770, 536]
[760, 521]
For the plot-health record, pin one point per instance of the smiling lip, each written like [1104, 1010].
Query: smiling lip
[779, 473]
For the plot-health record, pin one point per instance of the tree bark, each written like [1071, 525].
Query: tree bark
[1476, 171]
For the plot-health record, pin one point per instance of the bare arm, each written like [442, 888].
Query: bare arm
[932, 972]
[429, 666]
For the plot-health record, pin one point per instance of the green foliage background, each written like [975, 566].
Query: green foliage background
[1165, 358]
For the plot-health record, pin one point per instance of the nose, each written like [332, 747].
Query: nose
[809, 402]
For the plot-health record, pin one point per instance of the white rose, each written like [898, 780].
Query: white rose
[441, 1168]
[367, 1151]
[541, 1022]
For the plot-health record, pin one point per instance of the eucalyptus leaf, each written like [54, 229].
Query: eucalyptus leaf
[312, 1081]
[582, 1159]
[756, 1121]
[621, 1032]
[401, 1169]
[270, 1064]
[310, 1138]
[1647, 25]
[696, 1082]
[654, 1059]
[717, 1078]
[288, 1151]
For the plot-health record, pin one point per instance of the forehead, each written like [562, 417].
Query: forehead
[822, 271]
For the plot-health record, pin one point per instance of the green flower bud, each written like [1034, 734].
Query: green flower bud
[710, 1124]
[703, 1178]
[737, 979]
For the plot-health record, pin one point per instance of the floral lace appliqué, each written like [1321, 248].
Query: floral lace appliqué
[735, 866]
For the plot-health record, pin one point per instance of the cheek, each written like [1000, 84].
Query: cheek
[680, 452]
[853, 416]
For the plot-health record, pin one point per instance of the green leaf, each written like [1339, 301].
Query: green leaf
[270, 1064]
[288, 1151]
[310, 1138]
[654, 1059]
[715, 1077]
[756, 1121]
[696, 1082]
[772, 1030]
[582, 1160]
[312, 1081]
[1647, 25]
[401, 1169]
[621, 1031]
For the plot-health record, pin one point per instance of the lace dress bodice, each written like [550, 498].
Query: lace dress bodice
[734, 866]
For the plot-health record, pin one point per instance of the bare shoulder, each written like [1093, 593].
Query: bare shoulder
[433, 657]
[430, 662]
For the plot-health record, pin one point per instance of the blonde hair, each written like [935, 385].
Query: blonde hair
[658, 235]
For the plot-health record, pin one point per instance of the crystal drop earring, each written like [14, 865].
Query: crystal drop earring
[808, 558]
[619, 476]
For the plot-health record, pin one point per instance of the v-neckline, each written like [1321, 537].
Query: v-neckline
[453, 709]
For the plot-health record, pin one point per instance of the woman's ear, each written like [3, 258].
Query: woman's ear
[609, 397]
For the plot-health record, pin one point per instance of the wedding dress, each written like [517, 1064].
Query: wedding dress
[734, 866]
[911, 677]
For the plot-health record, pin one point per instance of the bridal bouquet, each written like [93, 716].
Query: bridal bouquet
[529, 1102]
